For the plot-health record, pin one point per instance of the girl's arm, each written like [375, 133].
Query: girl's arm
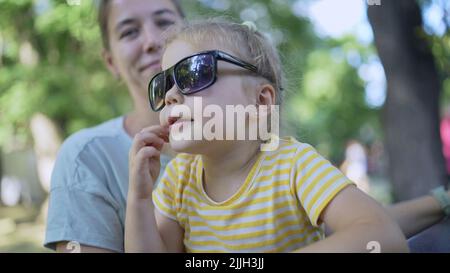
[141, 230]
[145, 229]
[416, 215]
[356, 221]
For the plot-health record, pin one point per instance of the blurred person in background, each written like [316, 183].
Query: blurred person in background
[445, 136]
[355, 165]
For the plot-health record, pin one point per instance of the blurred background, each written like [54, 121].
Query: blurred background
[369, 87]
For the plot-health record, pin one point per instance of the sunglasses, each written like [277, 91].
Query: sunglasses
[191, 75]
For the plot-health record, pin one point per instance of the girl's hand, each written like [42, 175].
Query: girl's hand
[144, 162]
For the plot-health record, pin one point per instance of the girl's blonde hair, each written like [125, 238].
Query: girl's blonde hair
[245, 41]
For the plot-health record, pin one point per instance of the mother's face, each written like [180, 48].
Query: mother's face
[135, 28]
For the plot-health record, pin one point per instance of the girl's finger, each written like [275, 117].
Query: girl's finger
[143, 155]
[161, 131]
[143, 139]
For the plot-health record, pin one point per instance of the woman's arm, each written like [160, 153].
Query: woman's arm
[415, 215]
[356, 220]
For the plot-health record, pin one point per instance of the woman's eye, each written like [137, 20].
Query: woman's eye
[128, 33]
[164, 23]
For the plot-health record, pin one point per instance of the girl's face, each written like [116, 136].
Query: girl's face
[227, 90]
[135, 28]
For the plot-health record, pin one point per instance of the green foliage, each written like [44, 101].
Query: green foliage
[440, 47]
[330, 108]
[51, 63]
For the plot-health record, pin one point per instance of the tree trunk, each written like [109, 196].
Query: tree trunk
[411, 112]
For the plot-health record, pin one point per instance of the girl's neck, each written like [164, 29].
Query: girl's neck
[230, 169]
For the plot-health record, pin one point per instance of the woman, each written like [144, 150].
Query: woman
[90, 179]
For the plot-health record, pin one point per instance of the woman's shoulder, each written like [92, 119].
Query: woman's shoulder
[87, 156]
[92, 139]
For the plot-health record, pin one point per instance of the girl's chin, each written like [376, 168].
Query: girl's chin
[186, 146]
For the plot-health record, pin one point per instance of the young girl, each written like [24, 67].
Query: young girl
[229, 195]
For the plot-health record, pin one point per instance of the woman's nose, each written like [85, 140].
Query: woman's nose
[152, 39]
[173, 96]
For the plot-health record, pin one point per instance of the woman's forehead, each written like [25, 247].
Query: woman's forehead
[125, 10]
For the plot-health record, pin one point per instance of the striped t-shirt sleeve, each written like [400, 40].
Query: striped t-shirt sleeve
[165, 193]
[316, 180]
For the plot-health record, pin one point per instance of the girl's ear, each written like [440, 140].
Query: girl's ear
[109, 62]
[266, 95]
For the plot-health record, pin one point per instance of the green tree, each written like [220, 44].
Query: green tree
[50, 62]
[411, 117]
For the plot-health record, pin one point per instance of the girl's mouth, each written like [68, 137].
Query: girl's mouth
[178, 122]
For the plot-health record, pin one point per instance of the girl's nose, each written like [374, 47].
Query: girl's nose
[173, 96]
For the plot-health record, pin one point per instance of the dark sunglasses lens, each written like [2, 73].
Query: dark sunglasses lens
[157, 91]
[195, 73]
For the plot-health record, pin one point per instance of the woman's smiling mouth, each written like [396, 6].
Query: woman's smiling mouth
[155, 65]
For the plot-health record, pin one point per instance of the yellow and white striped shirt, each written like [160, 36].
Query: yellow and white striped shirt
[276, 209]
